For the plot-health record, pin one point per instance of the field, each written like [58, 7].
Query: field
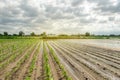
[62, 59]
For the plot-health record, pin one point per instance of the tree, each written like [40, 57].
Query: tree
[87, 34]
[112, 35]
[21, 33]
[0, 34]
[5, 33]
[14, 34]
[32, 34]
[43, 34]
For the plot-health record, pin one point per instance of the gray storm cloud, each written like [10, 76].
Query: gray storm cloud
[60, 16]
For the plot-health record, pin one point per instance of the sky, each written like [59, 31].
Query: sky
[60, 16]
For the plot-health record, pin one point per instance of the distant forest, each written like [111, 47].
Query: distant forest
[87, 35]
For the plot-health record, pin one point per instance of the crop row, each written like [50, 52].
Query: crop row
[95, 60]
[32, 65]
[100, 56]
[13, 57]
[59, 64]
[46, 66]
[9, 75]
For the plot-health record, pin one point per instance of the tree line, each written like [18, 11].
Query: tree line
[21, 33]
[44, 35]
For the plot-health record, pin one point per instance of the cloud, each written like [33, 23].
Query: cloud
[28, 10]
[76, 2]
[111, 18]
[110, 6]
[60, 16]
